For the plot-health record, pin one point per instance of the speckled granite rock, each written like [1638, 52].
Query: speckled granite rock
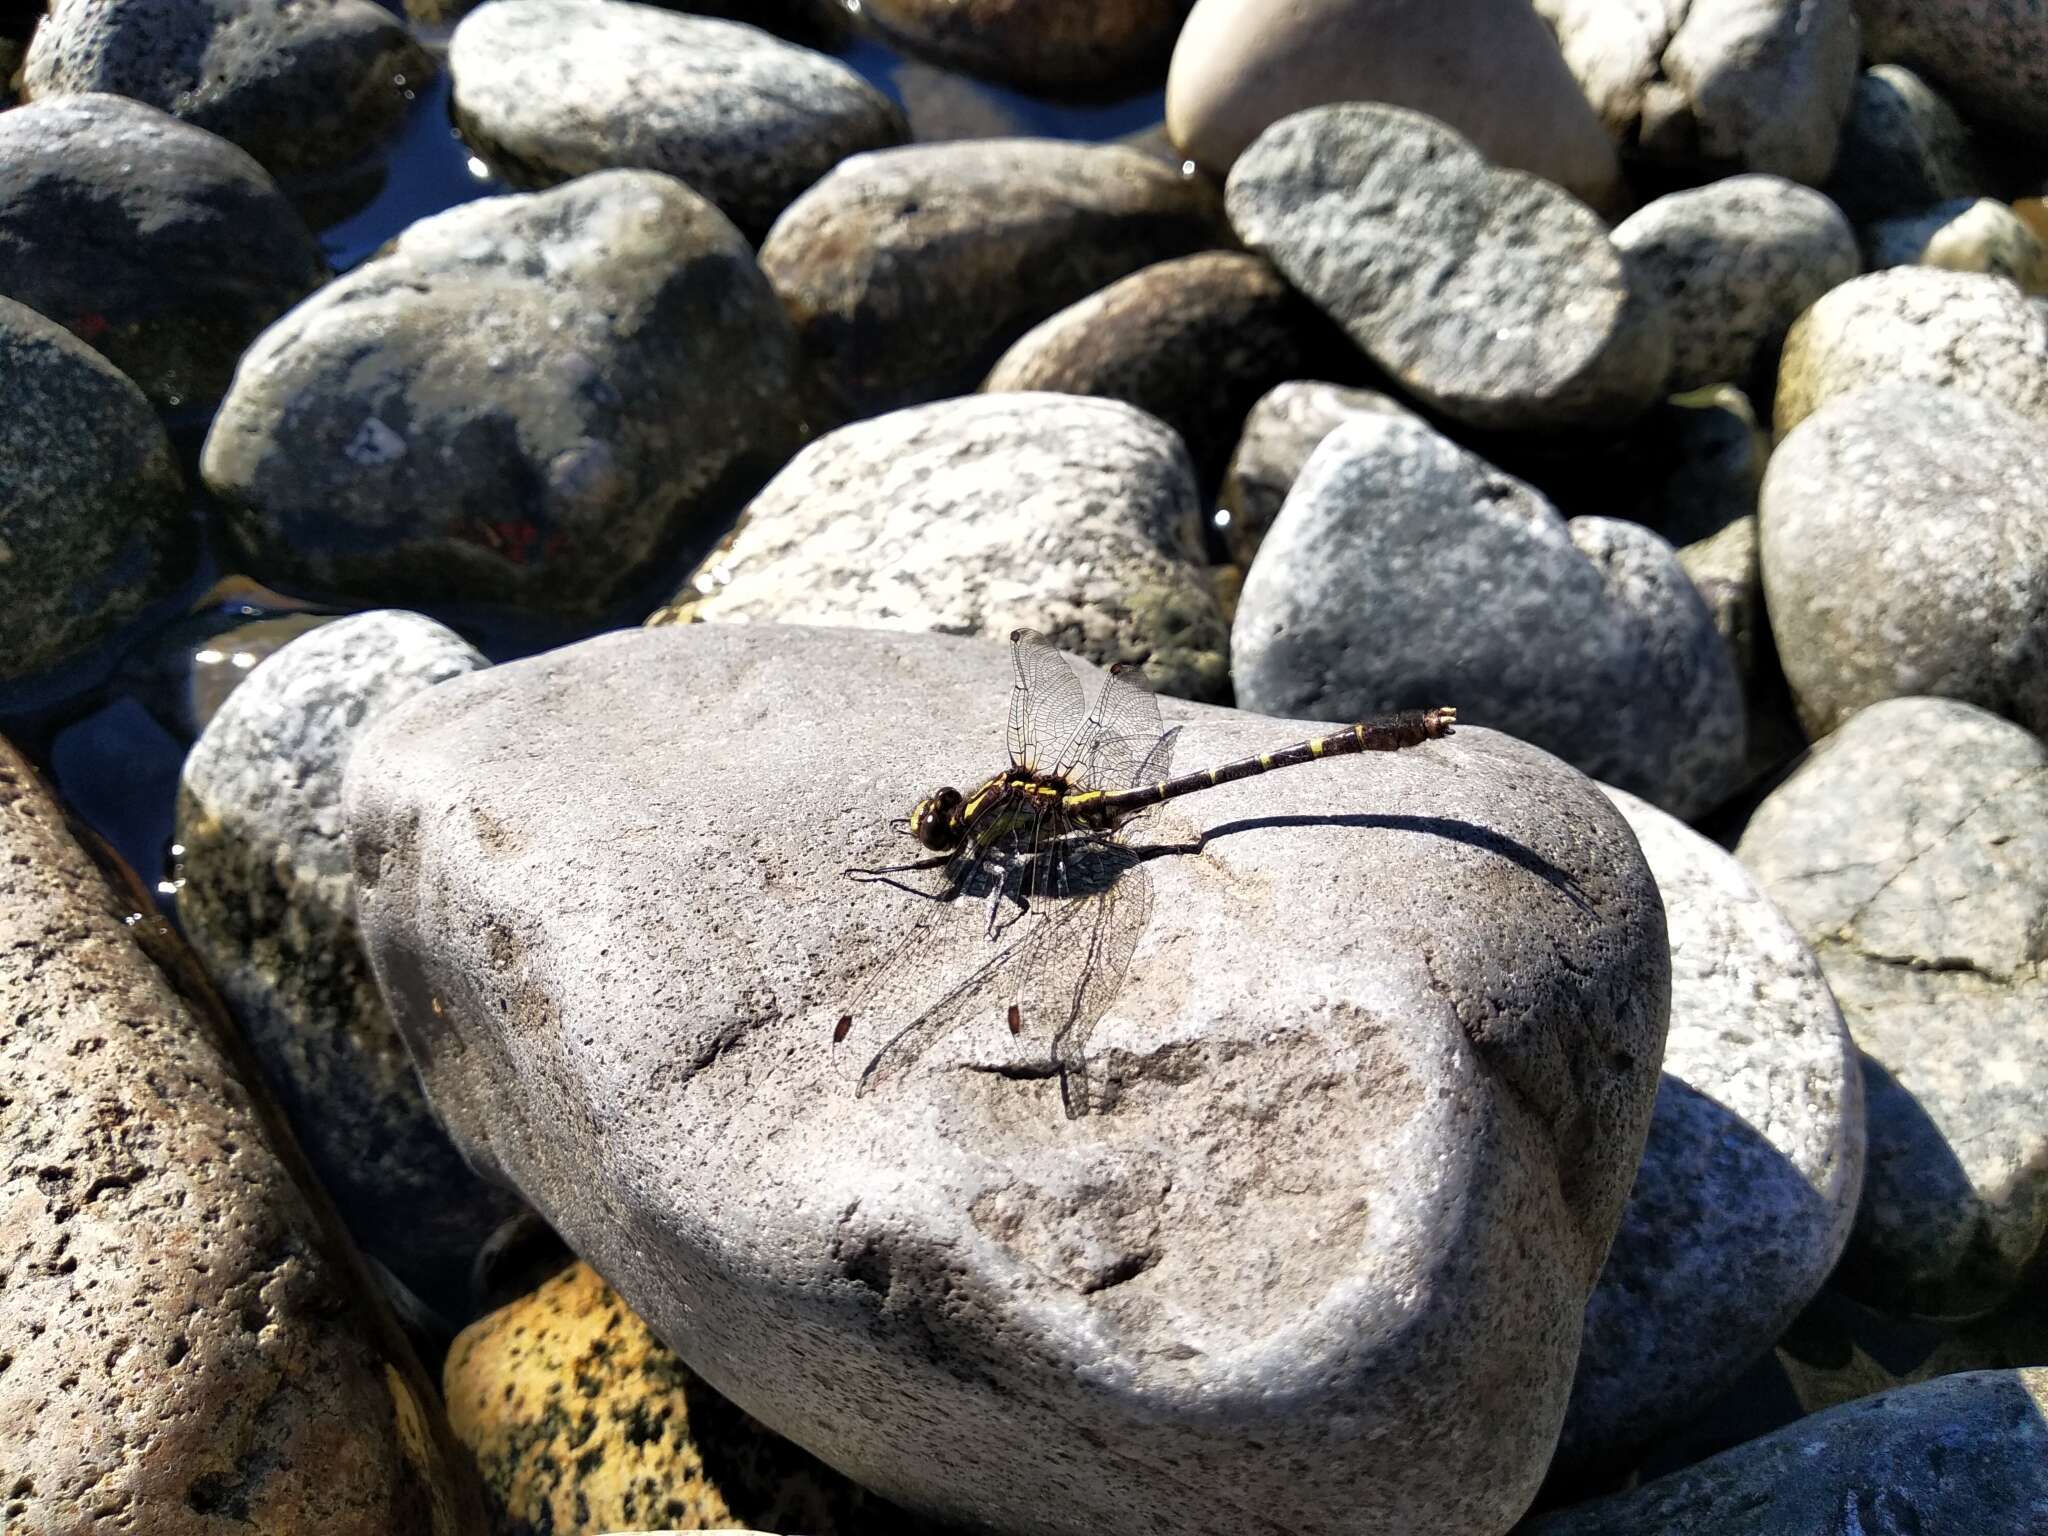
[527, 400]
[1037, 45]
[1403, 571]
[1389, 1042]
[1751, 1175]
[1989, 55]
[1965, 1453]
[1489, 294]
[1965, 235]
[1194, 341]
[580, 1419]
[1074, 517]
[1752, 85]
[1903, 147]
[1734, 263]
[551, 89]
[907, 272]
[1959, 330]
[1911, 849]
[1281, 430]
[189, 1344]
[267, 902]
[93, 518]
[1905, 550]
[302, 85]
[159, 245]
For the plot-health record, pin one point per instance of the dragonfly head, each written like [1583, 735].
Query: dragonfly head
[935, 820]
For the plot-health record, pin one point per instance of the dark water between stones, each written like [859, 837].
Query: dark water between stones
[111, 729]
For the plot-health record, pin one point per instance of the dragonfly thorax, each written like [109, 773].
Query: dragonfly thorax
[943, 819]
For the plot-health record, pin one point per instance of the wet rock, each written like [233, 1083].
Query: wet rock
[161, 246]
[580, 1419]
[1966, 235]
[1075, 517]
[1038, 45]
[551, 89]
[907, 272]
[222, 662]
[1903, 147]
[1959, 330]
[1411, 1135]
[528, 400]
[302, 86]
[1911, 849]
[1489, 294]
[1905, 551]
[267, 902]
[1755, 1159]
[1280, 432]
[1404, 572]
[1734, 263]
[1195, 342]
[93, 519]
[190, 1343]
[1488, 70]
[1988, 54]
[1716, 85]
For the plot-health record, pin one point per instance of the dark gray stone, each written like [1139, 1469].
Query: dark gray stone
[1280, 432]
[1903, 147]
[528, 400]
[1964, 235]
[1120, 44]
[1991, 55]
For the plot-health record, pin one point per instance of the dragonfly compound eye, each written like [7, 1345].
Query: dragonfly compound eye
[936, 820]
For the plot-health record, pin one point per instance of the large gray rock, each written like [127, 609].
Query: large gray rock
[1372, 1087]
[1404, 572]
[907, 271]
[551, 89]
[92, 507]
[1965, 1453]
[1911, 849]
[161, 246]
[1071, 516]
[1735, 263]
[1991, 55]
[1903, 147]
[1281, 431]
[1750, 1178]
[1489, 294]
[267, 902]
[1752, 85]
[1904, 537]
[302, 85]
[527, 400]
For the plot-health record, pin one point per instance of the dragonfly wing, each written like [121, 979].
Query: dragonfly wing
[1047, 708]
[1118, 734]
[1092, 964]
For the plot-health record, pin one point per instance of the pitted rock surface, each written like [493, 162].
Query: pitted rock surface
[1371, 1092]
[1755, 1159]
[1911, 850]
[1281, 431]
[1074, 517]
[527, 400]
[1903, 147]
[267, 902]
[187, 1343]
[1490, 294]
[552, 89]
[1404, 572]
[908, 271]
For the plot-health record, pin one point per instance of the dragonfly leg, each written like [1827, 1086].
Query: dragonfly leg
[936, 862]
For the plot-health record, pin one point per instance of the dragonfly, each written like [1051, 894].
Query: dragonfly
[1046, 847]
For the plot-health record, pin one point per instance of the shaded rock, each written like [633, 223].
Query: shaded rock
[1716, 85]
[1489, 70]
[267, 901]
[163, 247]
[1039, 45]
[1966, 235]
[1405, 572]
[1988, 54]
[581, 1419]
[1903, 147]
[1911, 849]
[1728, 570]
[1707, 457]
[1905, 551]
[1734, 263]
[1194, 341]
[93, 518]
[1965, 1453]
[907, 271]
[1960, 330]
[528, 400]
[189, 1341]
[551, 89]
[1751, 1174]
[1389, 1042]
[302, 85]
[1489, 294]
[1074, 517]
[1280, 432]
